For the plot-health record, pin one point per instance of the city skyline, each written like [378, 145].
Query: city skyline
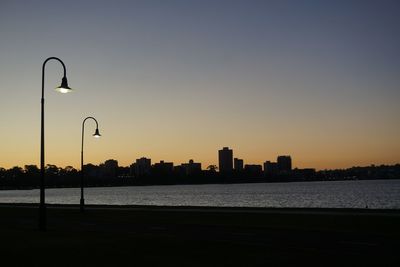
[178, 80]
[145, 172]
[225, 156]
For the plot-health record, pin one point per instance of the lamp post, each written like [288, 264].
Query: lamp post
[96, 135]
[63, 88]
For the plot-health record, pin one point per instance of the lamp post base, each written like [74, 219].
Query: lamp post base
[82, 205]
[42, 217]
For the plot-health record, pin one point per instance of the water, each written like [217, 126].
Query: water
[378, 194]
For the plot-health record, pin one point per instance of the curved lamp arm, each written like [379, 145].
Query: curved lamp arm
[96, 134]
[64, 79]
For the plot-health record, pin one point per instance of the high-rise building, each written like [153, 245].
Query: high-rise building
[284, 163]
[110, 168]
[142, 167]
[225, 158]
[238, 164]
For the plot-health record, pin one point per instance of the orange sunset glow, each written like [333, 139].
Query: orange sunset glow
[261, 84]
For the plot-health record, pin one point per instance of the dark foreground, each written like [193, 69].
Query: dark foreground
[189, 236]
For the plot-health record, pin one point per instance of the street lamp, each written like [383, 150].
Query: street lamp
[96, 135]
[63, 88]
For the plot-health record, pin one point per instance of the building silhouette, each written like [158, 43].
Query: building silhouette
[191, 168]
[225, 159]
[253, 170]
[284, 163]
[238, 164]
[142, 167]
[270, 168]
[110, 168]
[163, 168]
[91, 170]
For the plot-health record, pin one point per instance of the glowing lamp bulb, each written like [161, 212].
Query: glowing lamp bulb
[96, 134]
[64, 88]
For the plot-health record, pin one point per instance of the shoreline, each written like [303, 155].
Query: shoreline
[191, 184]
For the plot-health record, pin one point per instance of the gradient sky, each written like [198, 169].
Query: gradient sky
[178, 80]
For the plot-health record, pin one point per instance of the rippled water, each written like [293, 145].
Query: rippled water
[337, 194]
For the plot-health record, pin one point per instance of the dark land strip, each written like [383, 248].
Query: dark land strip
[198, 236]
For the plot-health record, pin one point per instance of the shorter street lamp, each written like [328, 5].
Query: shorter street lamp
[96, 135]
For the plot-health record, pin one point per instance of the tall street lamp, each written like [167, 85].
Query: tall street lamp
[63, 88]
[96, 135]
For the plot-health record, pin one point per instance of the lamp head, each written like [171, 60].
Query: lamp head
[64, 88]
[96, 133]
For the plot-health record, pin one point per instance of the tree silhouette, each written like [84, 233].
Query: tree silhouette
[52, 170]
[15, 172]
[212, 168]
[2, 172]
[31, 170]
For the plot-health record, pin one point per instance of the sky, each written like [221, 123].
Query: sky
[178, 80]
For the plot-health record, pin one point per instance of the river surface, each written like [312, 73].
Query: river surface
[380, 194]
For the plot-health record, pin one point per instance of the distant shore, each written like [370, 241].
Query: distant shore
[200, 236]
[100, 176]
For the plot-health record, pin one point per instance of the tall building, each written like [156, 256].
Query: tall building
[238, 164]
[110, 168]
[142, 167]
[225, 159]
[284, 163]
